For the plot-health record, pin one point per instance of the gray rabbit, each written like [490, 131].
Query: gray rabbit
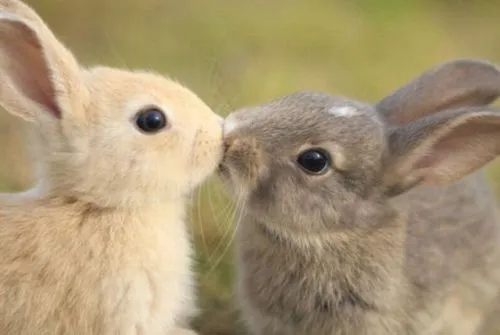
[362, 219]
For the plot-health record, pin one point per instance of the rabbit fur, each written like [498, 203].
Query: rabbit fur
[398, 235]
[99, 245]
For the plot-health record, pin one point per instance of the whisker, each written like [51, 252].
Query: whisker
[212, 207]
[228, 220]
[225, 212]
[226, 227]
[200, 219]
[196, 205]
[222, 212]
[114, 51]
[231, 240]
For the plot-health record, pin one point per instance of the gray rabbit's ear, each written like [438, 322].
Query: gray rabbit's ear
[458, 83]
[441, 148]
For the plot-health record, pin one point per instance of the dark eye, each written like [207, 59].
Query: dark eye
[314, 161]
[151, 120]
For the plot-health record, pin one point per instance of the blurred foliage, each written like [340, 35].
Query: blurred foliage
[238, 52]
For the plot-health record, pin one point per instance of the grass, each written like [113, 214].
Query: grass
[234, 53]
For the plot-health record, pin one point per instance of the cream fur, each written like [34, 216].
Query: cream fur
[94, 271]
[99, 246]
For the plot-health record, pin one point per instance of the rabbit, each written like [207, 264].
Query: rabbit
[99, 246]
[361, 218]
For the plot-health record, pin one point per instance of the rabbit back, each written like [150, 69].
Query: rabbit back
[453, 254]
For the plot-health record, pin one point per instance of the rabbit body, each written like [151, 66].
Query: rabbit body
[413, 276]
[99, 246]
[398, 234]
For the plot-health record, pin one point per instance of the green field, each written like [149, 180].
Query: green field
[234, 53]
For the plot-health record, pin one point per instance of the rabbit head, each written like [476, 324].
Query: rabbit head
[311, 162]
[107, 136]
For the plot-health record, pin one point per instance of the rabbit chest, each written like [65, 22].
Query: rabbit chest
[285, 291]
[129, 276]
[156, 293]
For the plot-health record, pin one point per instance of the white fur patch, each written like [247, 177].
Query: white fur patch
[345, 111]
[230, 124]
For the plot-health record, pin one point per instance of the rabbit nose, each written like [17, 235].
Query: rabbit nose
[230, 124]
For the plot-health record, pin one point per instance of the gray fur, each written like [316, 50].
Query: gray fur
[401, 236]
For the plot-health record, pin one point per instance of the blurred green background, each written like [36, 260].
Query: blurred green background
[238, 52]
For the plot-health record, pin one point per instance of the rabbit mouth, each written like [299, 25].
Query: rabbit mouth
[223, 168]
[226, 176]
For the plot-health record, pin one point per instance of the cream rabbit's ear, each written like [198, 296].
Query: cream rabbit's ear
[19, 8]
[38, 75]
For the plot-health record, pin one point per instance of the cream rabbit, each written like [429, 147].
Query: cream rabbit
[370, 220]
[99, 246]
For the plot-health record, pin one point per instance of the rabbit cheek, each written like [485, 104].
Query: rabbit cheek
[243, 163]
[208, 153]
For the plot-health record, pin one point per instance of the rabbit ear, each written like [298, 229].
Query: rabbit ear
[441, 148]
[38, 75]
[458, 83]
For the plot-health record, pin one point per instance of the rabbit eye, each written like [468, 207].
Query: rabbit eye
[314, 161]
[151, 120]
